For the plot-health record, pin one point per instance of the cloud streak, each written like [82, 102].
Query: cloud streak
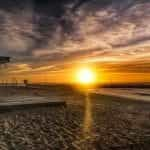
[40, 35]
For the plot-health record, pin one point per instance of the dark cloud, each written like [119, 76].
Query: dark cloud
[38, 32]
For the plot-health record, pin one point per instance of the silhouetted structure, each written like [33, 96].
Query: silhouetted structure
[4, 60]
[25, 82]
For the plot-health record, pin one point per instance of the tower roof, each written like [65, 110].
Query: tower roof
[4, 59]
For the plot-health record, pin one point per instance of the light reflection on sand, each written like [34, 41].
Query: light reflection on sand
[141, 94]
[87, 124]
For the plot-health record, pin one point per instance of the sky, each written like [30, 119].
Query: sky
[48, 40]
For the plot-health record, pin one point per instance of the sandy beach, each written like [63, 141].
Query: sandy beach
[89, 122]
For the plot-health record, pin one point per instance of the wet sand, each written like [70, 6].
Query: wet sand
[89, 122]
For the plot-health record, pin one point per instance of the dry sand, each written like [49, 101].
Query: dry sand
[88, 123]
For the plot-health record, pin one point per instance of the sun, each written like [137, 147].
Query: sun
[86, 76]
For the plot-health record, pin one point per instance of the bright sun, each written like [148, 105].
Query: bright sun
[86, 76]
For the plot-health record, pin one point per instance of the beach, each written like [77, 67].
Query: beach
[90, 121]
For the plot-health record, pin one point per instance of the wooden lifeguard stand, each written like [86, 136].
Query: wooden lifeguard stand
[4, 60]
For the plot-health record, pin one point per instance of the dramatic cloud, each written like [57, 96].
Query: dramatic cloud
[43, 35]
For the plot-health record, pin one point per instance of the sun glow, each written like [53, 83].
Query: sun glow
[86, 76]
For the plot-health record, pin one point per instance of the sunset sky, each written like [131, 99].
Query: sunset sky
[49, 40]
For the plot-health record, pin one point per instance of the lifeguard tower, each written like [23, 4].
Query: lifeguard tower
[4, 60]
